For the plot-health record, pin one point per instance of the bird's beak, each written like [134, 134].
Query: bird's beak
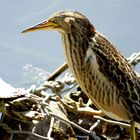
[46, 25]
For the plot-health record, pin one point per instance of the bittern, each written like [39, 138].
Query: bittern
[100, 69]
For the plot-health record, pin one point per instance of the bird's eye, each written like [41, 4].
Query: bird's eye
[52, 20]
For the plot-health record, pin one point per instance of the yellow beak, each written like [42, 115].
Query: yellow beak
[46, 25]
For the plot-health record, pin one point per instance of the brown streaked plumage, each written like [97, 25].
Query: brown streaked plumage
[100, 69]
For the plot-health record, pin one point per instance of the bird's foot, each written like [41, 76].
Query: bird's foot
[79, 107]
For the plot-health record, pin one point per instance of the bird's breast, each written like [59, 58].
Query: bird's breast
[99, 89]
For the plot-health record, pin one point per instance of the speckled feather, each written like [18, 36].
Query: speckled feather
[117, 94]
[116, 68]
[102, 72]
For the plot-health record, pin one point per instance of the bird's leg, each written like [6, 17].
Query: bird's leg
[132, 130]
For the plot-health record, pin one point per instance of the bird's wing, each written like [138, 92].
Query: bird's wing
[117, 69]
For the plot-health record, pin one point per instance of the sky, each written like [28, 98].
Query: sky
[118, 20]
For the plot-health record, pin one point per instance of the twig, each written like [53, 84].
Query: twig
[11, 136]
[51, 127]
[134, 59]
[94, 126]
[111, 121]
[71, 123]
[58, 71]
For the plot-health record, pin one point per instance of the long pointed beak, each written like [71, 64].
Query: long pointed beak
[46, 25]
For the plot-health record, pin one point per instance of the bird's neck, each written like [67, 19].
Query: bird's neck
[75, 49]
[75, 52]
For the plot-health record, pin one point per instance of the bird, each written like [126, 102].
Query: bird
[100, 69]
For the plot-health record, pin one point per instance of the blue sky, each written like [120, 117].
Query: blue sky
[119, 20]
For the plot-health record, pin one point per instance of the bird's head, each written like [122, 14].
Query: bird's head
[64, 22]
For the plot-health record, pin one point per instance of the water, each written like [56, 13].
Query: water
[118, 20]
